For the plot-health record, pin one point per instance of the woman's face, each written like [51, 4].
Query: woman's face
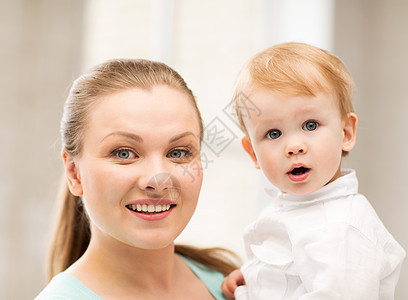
[139, 171]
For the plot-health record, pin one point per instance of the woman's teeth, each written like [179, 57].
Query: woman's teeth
[149, 208]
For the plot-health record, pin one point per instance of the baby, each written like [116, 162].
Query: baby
[319, 238]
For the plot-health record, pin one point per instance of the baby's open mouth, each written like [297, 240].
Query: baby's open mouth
[150, 209]
[299, 171]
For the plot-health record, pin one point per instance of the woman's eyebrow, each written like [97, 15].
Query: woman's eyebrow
[132, 136]
[180, 136]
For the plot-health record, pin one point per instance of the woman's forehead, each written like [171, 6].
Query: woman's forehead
[164, 109]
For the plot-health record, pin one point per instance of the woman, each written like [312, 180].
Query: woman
[130, 130]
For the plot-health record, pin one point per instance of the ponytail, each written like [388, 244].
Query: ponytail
[218, 259]
[71, 234]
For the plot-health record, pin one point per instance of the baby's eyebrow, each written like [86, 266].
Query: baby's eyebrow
[307, 110]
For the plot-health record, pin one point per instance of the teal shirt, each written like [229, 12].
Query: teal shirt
[65, 286]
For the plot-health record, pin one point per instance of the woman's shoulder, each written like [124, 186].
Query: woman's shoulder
[65, 286]
[211, 278]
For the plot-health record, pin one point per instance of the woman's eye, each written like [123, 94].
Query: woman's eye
[310, 125]
[179, 154]
[273, 134]
[124, 154]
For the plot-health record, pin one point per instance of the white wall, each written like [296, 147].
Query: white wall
[39, 55]
[370, 37]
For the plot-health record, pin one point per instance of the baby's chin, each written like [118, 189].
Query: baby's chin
[309, 185]
[301, 189]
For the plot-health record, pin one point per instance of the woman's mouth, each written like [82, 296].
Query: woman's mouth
[150, 208]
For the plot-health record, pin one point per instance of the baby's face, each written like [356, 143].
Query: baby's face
[297, 141]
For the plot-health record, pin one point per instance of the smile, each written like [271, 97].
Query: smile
[149, 208]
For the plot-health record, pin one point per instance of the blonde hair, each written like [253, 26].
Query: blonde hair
[71, 235]
[107, 78]
[295, 69]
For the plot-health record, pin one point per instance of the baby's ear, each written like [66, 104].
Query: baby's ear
[246, 143]
[72, 174]
[349, 131]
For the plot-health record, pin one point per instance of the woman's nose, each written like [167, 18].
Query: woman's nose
[158, 183]
[155, 177]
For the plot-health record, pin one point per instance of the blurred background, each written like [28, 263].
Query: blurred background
[45, 44]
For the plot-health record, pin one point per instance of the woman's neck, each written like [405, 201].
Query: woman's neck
[110, 267]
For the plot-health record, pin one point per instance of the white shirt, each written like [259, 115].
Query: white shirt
[329, 244]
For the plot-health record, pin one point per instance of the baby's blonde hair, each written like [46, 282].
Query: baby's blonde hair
[295, 69]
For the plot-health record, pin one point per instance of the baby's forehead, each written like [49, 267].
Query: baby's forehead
[263, 103]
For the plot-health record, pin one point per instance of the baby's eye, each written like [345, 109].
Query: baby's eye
[273, 134]
[310, 125]
[178, 153]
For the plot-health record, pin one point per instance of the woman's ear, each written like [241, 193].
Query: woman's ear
[349, 131]
[246, 143]
[72, 174]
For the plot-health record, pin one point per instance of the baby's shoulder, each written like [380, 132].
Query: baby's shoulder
[355, 213]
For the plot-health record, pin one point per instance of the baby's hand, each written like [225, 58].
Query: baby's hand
[231, 282]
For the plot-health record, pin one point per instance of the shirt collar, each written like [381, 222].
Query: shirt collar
[345, 185]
